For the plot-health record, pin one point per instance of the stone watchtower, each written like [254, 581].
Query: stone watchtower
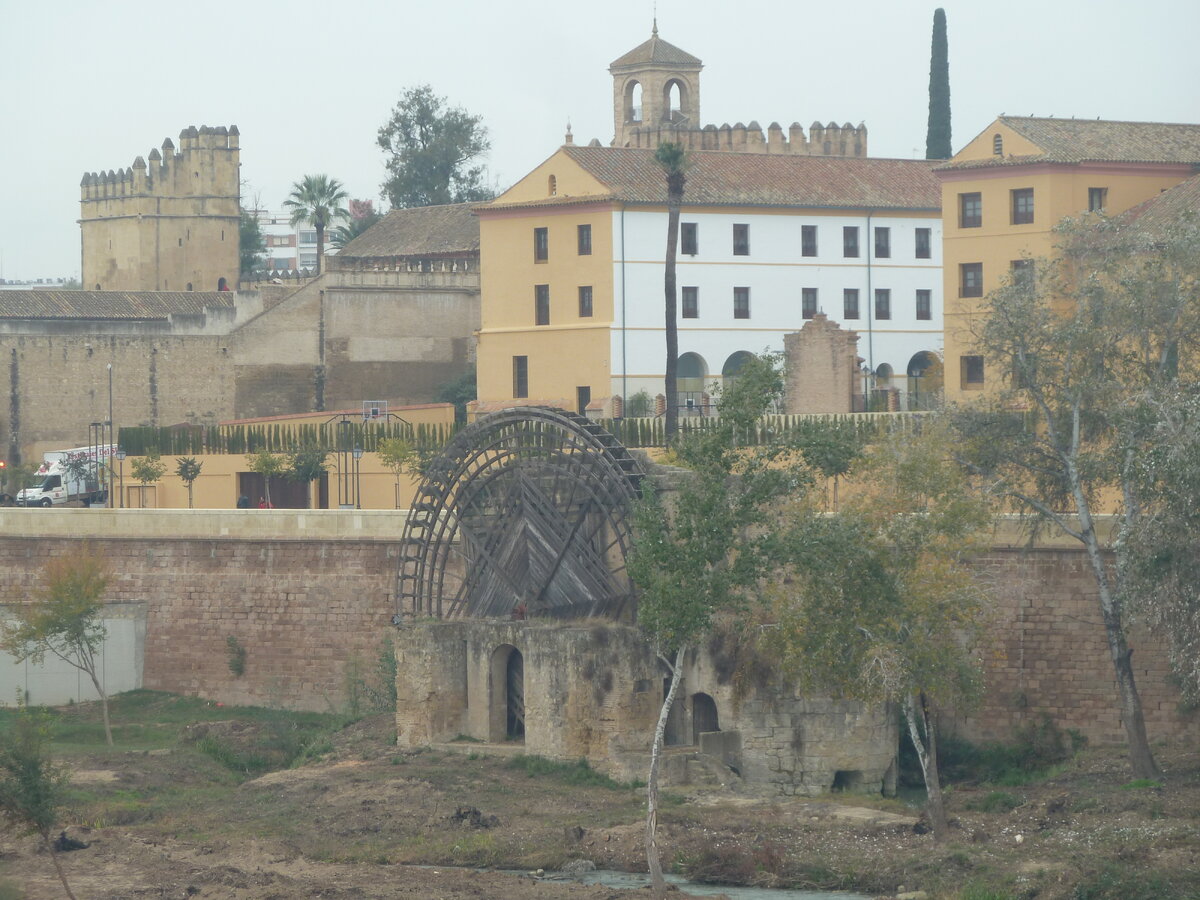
[654, 85]
[171, 225]
[656, 98]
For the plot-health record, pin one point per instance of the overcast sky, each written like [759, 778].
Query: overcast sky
[90, 85]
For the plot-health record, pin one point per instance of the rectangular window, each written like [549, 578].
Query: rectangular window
[970, 280]
[970, 210]
[850, 241]
[585, 302]
[583, 396]
[971, 371]
[808, 302]
[1022, 206]
[541, 304]
[883, 303]
[924, 246]
[924, 305]
[584, 239]
[691, 302]
[1022, 271]
[1097, 199]
[741, 302]
[741, 240]
[850, 303]
[808, 240]
[520, 376]
[689, 241]
[541, 244]
[883, 243]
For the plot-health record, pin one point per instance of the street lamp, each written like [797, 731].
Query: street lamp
[358, 452]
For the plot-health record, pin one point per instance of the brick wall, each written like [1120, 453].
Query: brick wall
[303, 609]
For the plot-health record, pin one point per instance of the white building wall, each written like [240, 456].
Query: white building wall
[776, 272]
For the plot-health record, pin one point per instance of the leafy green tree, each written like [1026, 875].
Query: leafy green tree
[306, 466]
[1161, 580]
[1094, 343]
[460, 391]
[830, 448]
[432, 152]
[937, 138]
[188, 470]
[883, 605]
[672, 159]
[146, 470]
[699, 553]
[31, 785]
[399, 457]
[269, 465]
[63, 620]
[317, 200]
[252, 243]
[362, 217]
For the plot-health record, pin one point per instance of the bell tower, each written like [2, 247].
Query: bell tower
[656, 87]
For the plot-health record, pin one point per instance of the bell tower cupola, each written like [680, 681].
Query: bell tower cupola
[656, 86]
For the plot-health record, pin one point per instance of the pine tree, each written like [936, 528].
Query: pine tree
[937, 138]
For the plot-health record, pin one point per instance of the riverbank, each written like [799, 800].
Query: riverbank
[179, 809]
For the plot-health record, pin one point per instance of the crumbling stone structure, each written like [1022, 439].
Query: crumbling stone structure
[822, 367]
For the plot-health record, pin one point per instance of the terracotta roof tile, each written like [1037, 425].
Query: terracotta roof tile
[420, 231]
[45, 304]
[1167, 208]
[760, 179]
[655, 51]
[1095, 140]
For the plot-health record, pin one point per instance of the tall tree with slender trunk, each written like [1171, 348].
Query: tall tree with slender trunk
[937, 138]
[673, 160]
[317, 200]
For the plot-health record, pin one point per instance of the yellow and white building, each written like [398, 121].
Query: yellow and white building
[1006, 190]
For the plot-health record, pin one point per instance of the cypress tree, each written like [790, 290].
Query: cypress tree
[937, 138]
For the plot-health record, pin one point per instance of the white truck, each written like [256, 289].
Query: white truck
[67, 475]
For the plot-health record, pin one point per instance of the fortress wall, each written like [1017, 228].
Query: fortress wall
[306, 593]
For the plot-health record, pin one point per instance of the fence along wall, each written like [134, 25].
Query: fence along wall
[310, 595]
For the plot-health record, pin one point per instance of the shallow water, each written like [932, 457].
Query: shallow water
[635, 880]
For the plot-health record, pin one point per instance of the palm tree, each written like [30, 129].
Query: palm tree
[673, 160]
[317, 200]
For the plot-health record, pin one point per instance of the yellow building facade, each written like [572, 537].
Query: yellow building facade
[1006, 190]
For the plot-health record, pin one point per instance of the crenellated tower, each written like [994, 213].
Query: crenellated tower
[167, 225]
[656, 98]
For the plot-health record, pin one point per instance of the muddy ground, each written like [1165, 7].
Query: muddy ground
[364, 820]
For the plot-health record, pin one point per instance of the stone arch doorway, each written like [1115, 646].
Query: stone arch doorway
[733, 365]
[690, 374]
[704, 716]
[924, 380]
[674, 100]
[507, 695]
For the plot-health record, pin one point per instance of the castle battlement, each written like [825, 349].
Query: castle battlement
[170, 221]
[170, 174]
[822, 140]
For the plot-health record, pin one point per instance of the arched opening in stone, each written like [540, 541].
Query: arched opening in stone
[633, 102]
[883, 377]
[189, 286]
[997, 145]
[846, 780]
[704, 716]
[222, 284]
[733, 366]
[674, 99]
[506, 717]
[924, 379]
[552, 186]
[690, 374]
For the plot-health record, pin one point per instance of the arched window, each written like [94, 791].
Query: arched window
[690, 375]
[733, 365]
[189, 287]
[506, 712]
[883, 377]
[997, 145]
[633, 102]
[222, 284]
[674, 100]
[552, 186]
